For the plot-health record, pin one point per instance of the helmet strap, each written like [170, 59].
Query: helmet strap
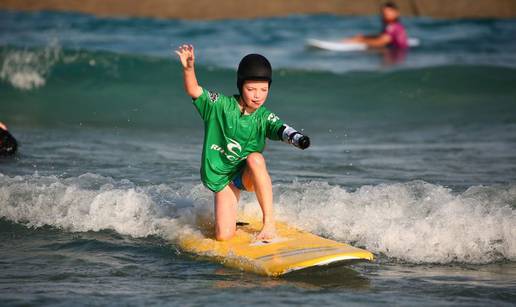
[242, 104]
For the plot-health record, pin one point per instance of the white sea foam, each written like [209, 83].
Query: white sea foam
[91, 203]
[27, 70]
[415, 222]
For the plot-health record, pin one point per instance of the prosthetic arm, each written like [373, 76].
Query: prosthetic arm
[292, 136]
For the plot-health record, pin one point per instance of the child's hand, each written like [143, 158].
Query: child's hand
[187, 56]
[355, 39]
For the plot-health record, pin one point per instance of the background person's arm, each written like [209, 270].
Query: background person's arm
[381, 40]
[372, 41]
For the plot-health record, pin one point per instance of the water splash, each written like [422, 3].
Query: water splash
[27, 70]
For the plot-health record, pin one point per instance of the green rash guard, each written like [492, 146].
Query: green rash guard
[229, 136]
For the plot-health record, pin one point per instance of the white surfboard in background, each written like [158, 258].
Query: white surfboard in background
[346, 47]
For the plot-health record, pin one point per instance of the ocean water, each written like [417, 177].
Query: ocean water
[413, 161]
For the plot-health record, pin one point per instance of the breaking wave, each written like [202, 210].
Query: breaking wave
[415, 222]
[28, 69]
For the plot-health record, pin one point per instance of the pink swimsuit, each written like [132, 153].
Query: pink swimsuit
[398, 35]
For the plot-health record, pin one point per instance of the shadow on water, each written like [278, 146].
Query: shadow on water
[336, 276]
[333, 276]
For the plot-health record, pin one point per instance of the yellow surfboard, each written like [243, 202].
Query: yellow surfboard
[291, 250]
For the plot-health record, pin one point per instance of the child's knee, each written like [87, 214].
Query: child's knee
[255, 160]
[224, 235]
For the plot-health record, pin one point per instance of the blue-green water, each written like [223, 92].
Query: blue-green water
[415, 162]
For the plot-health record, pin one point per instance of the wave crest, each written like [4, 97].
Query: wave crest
[27, 70]
[91, 203]
[416, 222]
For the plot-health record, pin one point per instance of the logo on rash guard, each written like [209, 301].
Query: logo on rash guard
[232, 148]
[272, 117]
[213, 96]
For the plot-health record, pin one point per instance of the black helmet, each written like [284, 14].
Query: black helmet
[253, 67]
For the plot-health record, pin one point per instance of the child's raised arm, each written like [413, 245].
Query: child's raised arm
[187, 56]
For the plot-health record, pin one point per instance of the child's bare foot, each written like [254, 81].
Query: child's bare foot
[268, 232]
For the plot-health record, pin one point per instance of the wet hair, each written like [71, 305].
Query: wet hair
[391, 5]
[8, 144]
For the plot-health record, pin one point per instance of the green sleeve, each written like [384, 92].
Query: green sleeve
[273, 124]
[205, 103]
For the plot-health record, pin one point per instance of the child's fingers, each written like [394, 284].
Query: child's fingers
[180, 53]
[191, 49]
[187, 47]
[185, 51]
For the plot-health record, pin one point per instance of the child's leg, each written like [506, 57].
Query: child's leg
[256, 178]
[226, 212]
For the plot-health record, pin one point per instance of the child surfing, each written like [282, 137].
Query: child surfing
[235, 132]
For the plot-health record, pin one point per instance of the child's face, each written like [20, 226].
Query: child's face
[255, 93]
[390, 14]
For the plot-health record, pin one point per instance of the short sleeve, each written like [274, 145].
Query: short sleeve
[391, 31]
[205, 103]
[398, 35]
[273, 125]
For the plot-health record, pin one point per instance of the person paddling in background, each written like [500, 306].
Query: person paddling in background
[235, 131]
[8, 144]
[393, 34]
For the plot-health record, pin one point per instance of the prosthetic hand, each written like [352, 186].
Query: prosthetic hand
[292, 136]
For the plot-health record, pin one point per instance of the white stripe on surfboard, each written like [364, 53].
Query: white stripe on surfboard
[299, 251]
